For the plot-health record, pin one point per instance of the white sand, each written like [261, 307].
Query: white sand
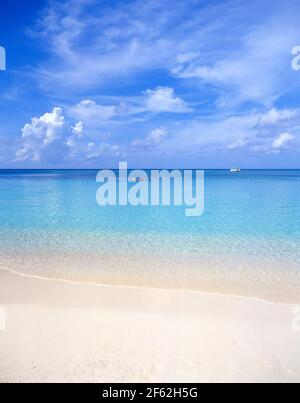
[58, 331]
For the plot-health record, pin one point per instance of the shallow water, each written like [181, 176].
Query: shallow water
[249, 234]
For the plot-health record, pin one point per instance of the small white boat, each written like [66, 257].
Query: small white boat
[235, 170]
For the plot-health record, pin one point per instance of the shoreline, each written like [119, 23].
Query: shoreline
[129, 287]
[59, 331]
[210, 274]
[213, 264]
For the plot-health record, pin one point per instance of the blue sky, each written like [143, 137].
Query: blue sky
[181, 83]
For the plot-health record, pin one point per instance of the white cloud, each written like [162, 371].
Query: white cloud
[238, 144]
[181, 59]
[78, 129]
[219, 135]
[83, 147]
[275, 116]
[103, 54]
[153, 139]
[88, 110]
[256, 68]
[95, 151]
[163, 99]
[51, 138]
[91, 44]
[40, 134]
[102, 45]
[156, 136]
[46, 128]
[282, 141]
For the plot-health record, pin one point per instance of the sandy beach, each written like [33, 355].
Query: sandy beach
[62, 331]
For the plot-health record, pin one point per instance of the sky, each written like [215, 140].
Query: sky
[159, 84]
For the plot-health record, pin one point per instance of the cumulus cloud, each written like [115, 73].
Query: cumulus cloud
[88, 110]
[55, 137]
[238, 144]
[95, 151]
[225, 134]
[78, 129]
[52, 138]
[282, 141]
[80, 146]
[47, 127]
[156, 136]
[163, 99]
[275, 116]
[134, 109]
[39, 135]
[152, 140]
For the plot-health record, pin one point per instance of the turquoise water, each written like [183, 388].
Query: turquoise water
[252, 218]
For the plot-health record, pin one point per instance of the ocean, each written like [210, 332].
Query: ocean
[247, 241]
